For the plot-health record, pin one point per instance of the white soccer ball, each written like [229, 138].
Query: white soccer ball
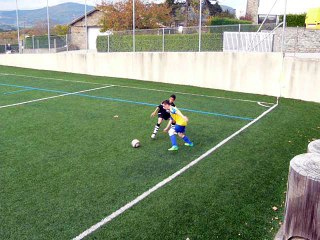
[135, 143]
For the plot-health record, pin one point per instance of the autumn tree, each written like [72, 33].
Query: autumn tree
[118, 15]
[60, 30]
[8, 37]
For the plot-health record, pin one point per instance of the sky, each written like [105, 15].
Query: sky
[294, 6]
[34, 4]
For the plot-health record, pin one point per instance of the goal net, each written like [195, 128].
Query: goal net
[248, 42]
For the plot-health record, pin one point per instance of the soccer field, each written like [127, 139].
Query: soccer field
[67, 163]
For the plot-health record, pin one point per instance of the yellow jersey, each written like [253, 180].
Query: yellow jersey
[177, 118]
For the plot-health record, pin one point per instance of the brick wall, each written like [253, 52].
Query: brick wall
[298, 40]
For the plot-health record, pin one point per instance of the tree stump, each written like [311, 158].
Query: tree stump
[302, 214]
[314, 147]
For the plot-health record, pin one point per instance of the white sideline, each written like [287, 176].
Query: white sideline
[56, 96]
[167, 180]
[264, 104]
[57, 79]
[149, 89]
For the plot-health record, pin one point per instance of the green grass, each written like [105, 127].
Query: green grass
[173, 43]
[67, 162]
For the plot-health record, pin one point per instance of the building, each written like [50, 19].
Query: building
[77, 30]
[259, 9]
[252, 9]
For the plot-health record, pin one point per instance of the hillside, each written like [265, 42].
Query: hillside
[60, 14]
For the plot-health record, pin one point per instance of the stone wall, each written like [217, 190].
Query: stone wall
[252, 9]
[298, 40]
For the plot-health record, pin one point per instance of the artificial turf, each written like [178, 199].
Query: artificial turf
[67, 162]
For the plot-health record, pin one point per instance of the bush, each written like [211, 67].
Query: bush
[227, 21]
[295, 20]
[153, 43]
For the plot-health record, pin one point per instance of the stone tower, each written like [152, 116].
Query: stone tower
[252, 9]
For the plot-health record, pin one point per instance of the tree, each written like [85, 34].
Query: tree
[60, 29]
[40, 28]
[118, 16]
[216, 9]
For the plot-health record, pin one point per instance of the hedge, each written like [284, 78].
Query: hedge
[152, 43]
[227, 21]
[295, 20]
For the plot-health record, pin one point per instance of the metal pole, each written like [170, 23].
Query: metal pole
[48, 25]
[239, 37]
[133, 26]
[18, 29]
[67, 44]
[284, 27]
[108, 42]
[86, 23]
[200, 25]
[162, 39]
[33, 42]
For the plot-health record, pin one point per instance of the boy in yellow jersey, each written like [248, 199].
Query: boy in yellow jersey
[180, 128]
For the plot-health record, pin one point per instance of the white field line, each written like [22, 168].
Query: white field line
[56, 96]
[141, 88]
[56, 79]
[263, 104]
[167, 180]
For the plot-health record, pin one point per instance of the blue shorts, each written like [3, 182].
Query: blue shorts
[180, 129]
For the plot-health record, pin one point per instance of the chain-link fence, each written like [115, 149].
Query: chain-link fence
[8, 46]
[181, 39]
[40, 44]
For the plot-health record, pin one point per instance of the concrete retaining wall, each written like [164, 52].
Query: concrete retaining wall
[242, 72]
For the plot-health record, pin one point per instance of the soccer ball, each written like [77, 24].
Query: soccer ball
[135, 143]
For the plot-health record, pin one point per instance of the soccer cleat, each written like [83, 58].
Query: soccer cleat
[173, 148]
[153, 136]
[189, 144]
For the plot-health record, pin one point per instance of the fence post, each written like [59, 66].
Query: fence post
[239, 37]
[200, 25]
[55, 43]
[67, 44]
[38, 44]
[162, 39]
[33, 42]
[108, 42]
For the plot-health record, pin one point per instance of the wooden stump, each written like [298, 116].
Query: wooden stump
[314, 147]
[302, 214]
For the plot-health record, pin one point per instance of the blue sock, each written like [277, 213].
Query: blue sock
[186, 139]
[174, 140]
